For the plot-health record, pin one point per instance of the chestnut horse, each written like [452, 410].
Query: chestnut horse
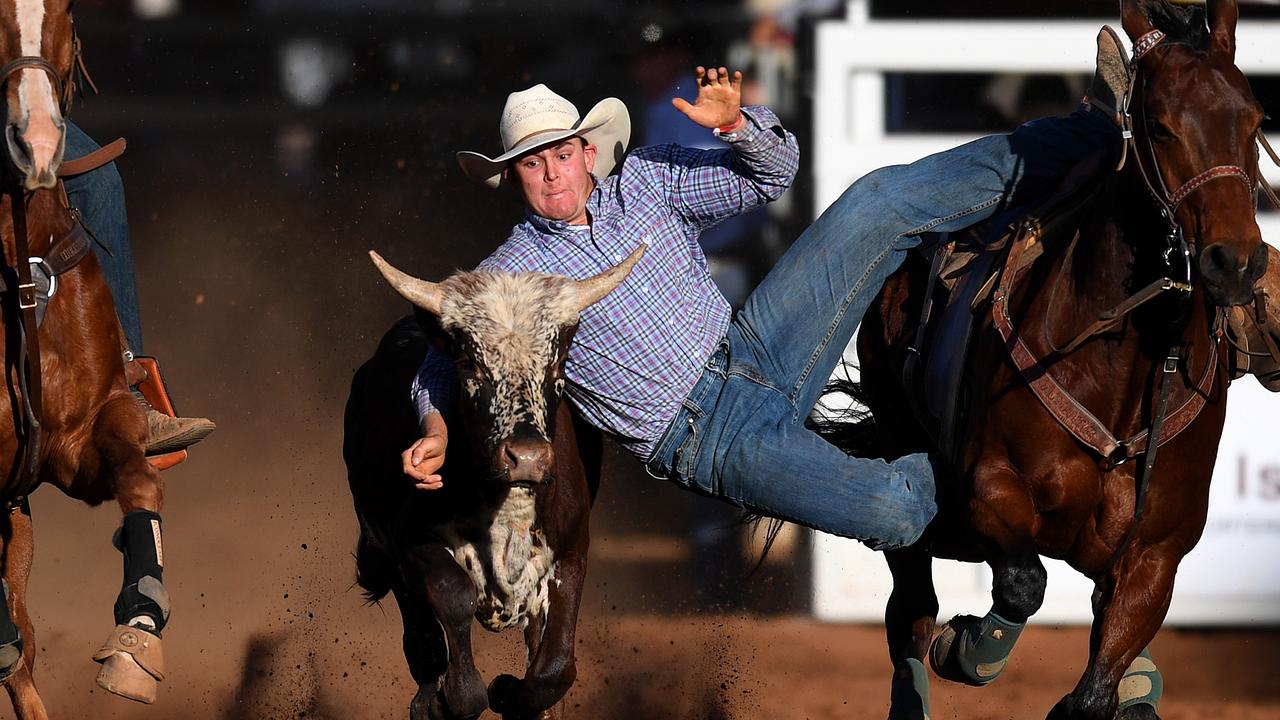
[1037, 470]
[70, 419]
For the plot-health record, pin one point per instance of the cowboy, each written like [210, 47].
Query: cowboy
[98, 195]
[714, 402]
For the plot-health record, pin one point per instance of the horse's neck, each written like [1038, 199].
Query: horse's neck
[1120, 252]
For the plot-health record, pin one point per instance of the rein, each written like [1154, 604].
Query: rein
[64, 254]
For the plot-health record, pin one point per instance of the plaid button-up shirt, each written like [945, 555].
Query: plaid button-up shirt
[639, 351]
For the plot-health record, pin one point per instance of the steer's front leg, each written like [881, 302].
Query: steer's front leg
[550, 640]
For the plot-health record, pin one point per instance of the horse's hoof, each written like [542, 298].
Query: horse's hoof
[1141, 711]
[909, 694]
[947, 654]
[122, 675]
[10, 669]
[132, 664]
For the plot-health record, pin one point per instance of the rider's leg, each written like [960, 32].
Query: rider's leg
[99, 197]
[795, 326]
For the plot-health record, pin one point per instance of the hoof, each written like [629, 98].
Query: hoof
[909, 694]
[1141, 711]
[952, 655]
[132, 664]
[122, 675]
[7, 672]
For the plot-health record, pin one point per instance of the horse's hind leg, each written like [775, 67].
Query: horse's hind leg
[1130, 603]
[908, 622]
[18, 651]
[132, 661]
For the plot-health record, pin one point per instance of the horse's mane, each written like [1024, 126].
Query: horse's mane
[1180, 23]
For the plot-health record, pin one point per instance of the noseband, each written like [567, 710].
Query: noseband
[25, 62]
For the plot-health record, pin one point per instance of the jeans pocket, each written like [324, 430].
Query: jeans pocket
[686, 458]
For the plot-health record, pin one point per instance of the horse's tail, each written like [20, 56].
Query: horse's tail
[846, 423]
[849, 425]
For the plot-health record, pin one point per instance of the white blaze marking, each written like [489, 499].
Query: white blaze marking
[35, 92]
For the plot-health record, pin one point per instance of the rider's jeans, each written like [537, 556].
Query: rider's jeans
[99, 195]
[740, 434]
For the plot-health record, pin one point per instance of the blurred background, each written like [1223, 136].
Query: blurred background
[273, 142]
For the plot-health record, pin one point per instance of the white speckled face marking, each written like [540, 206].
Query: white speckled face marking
[514, 324]
[34, 85]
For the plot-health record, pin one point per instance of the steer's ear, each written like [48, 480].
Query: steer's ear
[436, 335]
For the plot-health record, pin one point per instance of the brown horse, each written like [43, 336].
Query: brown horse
[70, 419]
[1038, 470]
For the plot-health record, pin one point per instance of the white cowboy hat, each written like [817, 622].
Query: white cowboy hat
[537, 116]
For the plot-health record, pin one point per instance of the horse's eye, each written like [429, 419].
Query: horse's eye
[1158, 130]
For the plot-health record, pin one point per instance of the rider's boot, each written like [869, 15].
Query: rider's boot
[1254, 330]
[165, 433]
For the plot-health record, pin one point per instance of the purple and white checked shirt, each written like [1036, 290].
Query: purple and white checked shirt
[639, 351]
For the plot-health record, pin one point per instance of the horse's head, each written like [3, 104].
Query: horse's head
[510, 335]
[1195, 124]
[37, 48]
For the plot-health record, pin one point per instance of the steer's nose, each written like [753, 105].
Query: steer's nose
[526, 461]
[1230, 276]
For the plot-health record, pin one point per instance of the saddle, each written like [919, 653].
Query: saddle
[964, 269]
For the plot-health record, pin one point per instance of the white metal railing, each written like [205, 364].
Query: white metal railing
[853, 56]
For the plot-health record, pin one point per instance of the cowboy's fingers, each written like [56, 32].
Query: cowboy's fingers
[432, 482]
[713, 77]
[683, 106]
[700, 75]
[736, 82]
[724, 75]
[413, 470]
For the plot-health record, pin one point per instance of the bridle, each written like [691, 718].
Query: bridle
[27, 358]
[1167, 203]
[64, 92]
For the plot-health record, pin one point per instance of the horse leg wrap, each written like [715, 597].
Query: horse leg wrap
[910, 690]
[1142, 683]
[973, 650]
[143, 601]
[10, 641]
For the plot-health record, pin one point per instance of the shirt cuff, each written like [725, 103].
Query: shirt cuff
[749, 130]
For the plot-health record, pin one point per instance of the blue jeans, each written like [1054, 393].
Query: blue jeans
[99, 196]
[740, 433]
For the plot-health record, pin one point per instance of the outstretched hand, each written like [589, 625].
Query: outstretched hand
[719, 101]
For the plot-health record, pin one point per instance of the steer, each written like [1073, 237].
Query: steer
[505, 539]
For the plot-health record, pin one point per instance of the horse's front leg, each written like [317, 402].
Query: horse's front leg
[132, 660]
[550, 640]
[973, 650]
[1130, 603]
[908, 623]
[18, 651]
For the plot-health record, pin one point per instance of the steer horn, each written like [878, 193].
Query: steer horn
[426, 295]
[594, 288]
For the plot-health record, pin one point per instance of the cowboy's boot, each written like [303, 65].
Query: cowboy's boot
[1111, 75]
[1254, 330]
[165, 433]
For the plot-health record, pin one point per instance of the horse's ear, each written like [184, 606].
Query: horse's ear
[1134, 19]
[1223, 15]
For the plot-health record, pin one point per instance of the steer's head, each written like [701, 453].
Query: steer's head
[510, 335]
